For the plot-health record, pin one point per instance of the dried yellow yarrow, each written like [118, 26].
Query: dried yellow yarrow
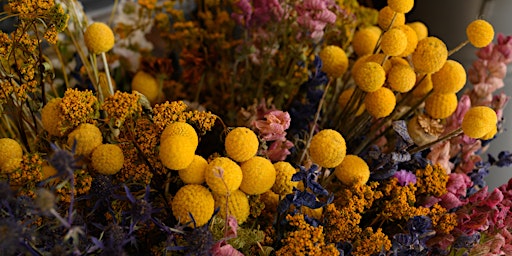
[122, 106]
[78, 107]
[168, 112]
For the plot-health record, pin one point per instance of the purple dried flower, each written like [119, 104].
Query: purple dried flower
[405, 177]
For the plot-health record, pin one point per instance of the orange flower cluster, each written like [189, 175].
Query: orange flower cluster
[121, 106]
[432, 180]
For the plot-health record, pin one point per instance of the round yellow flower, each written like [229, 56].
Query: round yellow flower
[194, 172]
[194, 200]
[344, 98]
[107, 159]
[479, 121]
[327, 148]
[353, 171]
[380, 58]
[450, 78]
[241, 144]
[87, 137]
[430, 55]
[177, 152]
[403, 6]
[385, 18]
[412, 40]
[334, 61]
[9, 149]
[284, 184]
[147, 85]
[401, 78]
[270, 199]
[490, 134]
[420, 29]
[181, 129]
[480, 33]
[10, 165]
[51, 117]
[258, 175]
[393, 42]
[441, 105]
[424, 86]
[369, 76]
[223, 175]
[238, 205]
[365, 40]
[99, 38]
[380, 103]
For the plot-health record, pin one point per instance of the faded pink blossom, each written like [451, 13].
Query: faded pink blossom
[224, 249]
[274, 126]
[278, 150]
[440, 154]
[456, 187]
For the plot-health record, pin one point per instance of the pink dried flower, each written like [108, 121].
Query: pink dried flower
[274, 126]
[278, 150]
[224, 249]
[405, 178]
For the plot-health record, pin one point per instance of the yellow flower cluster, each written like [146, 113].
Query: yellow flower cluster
[442, 220]
[432, 180]
[27, 175]
[83, 181]
[175, 111]
[327, 148]
[194, 200]
[9, 149]
[370, 242]
[237, 205]
[121, 106]
[399, 202]
[341, 224]
[78, 107]
[241, 144]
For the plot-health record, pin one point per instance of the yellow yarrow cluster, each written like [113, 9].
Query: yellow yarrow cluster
[258, 175]
[107, 159]
[441, 105]
[380, 103]
[99, 38]
[241, 144]
[450, 78]
[334, 61]
[353, 171]
[168, 112]
[194, 200]
[194, 172]
[223, 176]
[87, 138]
[479, 121]
[480, 33]
[430, 55]
[284, 184]
[237, 204]
[9, 149]
[121, 106]
[327, 148]
[78, 107]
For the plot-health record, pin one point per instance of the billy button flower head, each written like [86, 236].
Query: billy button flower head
[393, 42]
[479, 121]
[327, 148]
[146, 84]
[107, 159]
[450, 78]
[412, 40]
[430, 55]
[10, 165]
[181, 129]
[385, 18]
[403, 6]
[241, 144]
[237, 203]
[353, 171]
[369, 76]
[51, 117]
[365, 39]
[258, 175]
[87, 137]
[223, 176]
[334, 61]
[420, 28]
[480, 33]
[99, 38]
[401, 78]
[380, 103]
[194, 200]
[441, 105]
[9, 149]
[194, 172]
[177, 152]
[284, 184]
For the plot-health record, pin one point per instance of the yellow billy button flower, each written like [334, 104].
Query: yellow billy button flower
[480, 33]
[380, 58]
[10, 165]
[365, 40]
[284, 184]
[403, 6]
[238, 205]
[258, 175]
[393, 42]
[334, 61]
[412, 40]
[490, 134]
[194, 200]
[194, 173]
[327, 148]
[51, 117]
[420, 29]
[430, 55]
[441, 105]
[401, 78]
[450, 78]
[177, 152]
[223, 176]
[87, 137]
[344, 99]
[424, 86]
[181, 129]
[380, 103]
[147, 85]
[353, 171]
[99, 38]
[9, 149]
[369, 76]
[241, 144]
[385, 18]
[107, 159]
[479, 121]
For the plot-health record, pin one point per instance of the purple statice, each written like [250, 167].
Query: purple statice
[413, 242]
[405, 177]
[315, 15]
[258, 12]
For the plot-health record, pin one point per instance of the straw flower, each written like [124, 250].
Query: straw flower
[327, 148]
[194, 200]
[380, 103]
[479, 121]
[241, 144]
[99, 38]
[430, 55]
[352, 171]
[480, 33]
[334, 61]
[441, 105]
[450, 78]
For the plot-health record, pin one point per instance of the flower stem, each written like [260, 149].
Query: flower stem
[448, 136]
